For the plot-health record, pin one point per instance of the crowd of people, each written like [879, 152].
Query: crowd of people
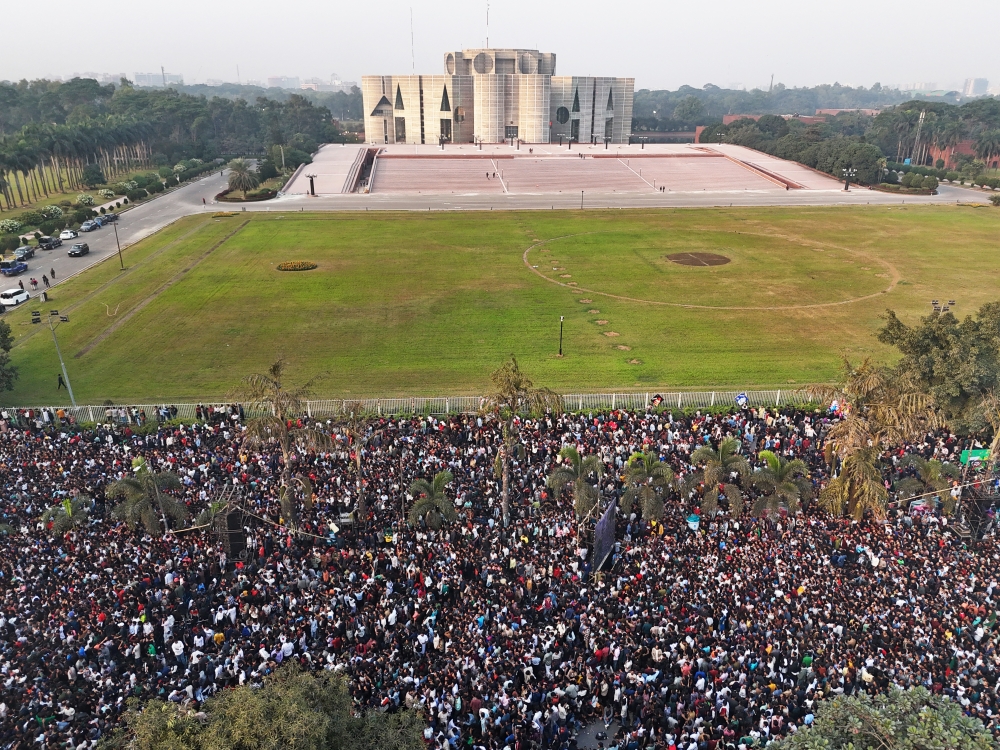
[502, 634]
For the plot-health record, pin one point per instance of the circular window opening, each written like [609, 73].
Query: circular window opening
[449, 64]
[562, 115]
[483, 63]
[528, 64]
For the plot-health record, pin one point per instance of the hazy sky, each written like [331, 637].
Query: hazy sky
[661, 43]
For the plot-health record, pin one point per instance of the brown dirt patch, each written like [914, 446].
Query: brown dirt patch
[602, 322]
[622, 347]
[586, 301]
[611, 334]
[565, 276]
[635, 361]
[593, 312]
[698, 259]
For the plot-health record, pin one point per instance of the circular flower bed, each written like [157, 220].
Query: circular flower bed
[296, 265]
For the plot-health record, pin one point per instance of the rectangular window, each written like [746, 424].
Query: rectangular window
[400, 130]
[446, 129]
[609, 127]
[510, 131]
[574, 130]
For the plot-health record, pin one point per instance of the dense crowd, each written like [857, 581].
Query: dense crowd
[503, 635]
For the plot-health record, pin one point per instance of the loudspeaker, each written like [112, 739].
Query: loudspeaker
[229, 529]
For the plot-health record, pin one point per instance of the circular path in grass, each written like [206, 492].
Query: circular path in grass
[761, 272]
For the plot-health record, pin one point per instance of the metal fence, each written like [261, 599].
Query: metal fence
[574, 402]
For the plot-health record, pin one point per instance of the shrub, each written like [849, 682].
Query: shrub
[85, 199]
[165, 172]
[122, 188]
[907, 179]
[10, 226]
[49, 227]
[136, 195]
[172, 182]
[65, 203]
[103, 210]
[125, 201]
[93, 176]
[31, 218]
[118, 204]
[223, 214]
[51, 212]
[995, 200]
[37, 235]
[10, 242]
[266, 170]
[939, 164]
[929, 183]
[296, 265]
[994, 183]
[81, 215]
[952, 176]
[106, 193]
[180, 167]
[155, 187]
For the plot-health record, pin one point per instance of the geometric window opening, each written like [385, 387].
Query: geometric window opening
[562, 115]
[611, 101]
[445, 104]
[399, 98]
[383, 102]
[576, 101]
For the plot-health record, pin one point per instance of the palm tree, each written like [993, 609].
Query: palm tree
[67, 515]
[781, 484]
[511, 396]
[241, 176]
[884, 408]
[575, 472]
[648, 479]
[355, 423]
[720, 464]
[265, 394]
[431, 504]
[143, 497]
[932, 476]
[988, 145]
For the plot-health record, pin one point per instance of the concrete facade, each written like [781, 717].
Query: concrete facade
[495, 95]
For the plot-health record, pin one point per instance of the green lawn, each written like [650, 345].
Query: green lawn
[429, 304]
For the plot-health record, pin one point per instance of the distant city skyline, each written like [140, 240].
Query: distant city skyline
[663, 45]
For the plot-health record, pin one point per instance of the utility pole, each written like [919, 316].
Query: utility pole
[561, 319]
[163, 74]
[122, 262]
[36, 317]
[916, 141]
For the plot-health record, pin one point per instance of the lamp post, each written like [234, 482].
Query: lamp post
[581, 200]
[561, 319]
[122, 262]
[312, 185]
[36, 317]
[849, 173]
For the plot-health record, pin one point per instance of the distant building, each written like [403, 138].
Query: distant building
[283, 82]
[157, 79]
[492, 95]
[975, 87]
[835, 112]
[807, 119]
[332, 84]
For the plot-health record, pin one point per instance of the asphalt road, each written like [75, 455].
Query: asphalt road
[135, 224]
[147, 218]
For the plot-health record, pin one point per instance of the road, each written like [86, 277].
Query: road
[147, 218]
[135, 224]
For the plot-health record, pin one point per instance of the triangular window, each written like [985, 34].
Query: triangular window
[399, 98]
[383, 102]
[576, 101]
[611, 101]
[445, 104]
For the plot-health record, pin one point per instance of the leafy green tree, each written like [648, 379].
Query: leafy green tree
[575, 472]
[956, 362]
[430, 503]
[689, 110]
[718, 467]
[932, 476]
[275, 407]
[8, 372]
[649, 480]
[67, 515]
[93, 176]
[930, 182]
[293, 710]
[912, 719]
[143, 497]
[241, 176]
[781, 484]
[512, 396]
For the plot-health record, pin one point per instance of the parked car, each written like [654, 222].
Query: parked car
[13, 297]
[24, 252]
[49, 243]
[78, 249]
[89, 226]
[110, 216]
[68, 234]
[13, 267]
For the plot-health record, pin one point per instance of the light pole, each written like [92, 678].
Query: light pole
[581, 200]
[312, 185]
[561, 319]
[849, 173]
[36, 317]
[115, 225]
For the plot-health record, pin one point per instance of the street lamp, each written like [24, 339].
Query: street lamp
[122, 262]
[561, 319]
[36, 317]
[849, 173]
[312, 185]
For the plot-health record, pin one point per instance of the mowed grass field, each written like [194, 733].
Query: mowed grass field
[430, 304]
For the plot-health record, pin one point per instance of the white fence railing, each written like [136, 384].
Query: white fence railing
[574, 402]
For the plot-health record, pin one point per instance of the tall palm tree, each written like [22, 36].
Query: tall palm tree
[356, 423]
[143, 497]
[780, 483]
[276, 407]
[430, 503]
[932, 476]
[648, 479]
[576, 472]
[883, 409]
[716, 474]
[512, 396]
[988, 145]
[67, 515]
[241, 176]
